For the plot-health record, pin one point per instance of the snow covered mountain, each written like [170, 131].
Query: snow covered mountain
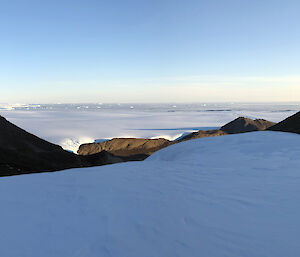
[236, 195]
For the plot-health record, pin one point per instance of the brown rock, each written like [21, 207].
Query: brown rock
[139, 148]
[239, 125]
[136, 148]
[202, 133]
[242, 124]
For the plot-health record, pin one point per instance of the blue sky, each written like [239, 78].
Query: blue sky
[149, 51]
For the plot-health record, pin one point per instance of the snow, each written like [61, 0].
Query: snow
[10, 107]
[72, 144]
[234, 196]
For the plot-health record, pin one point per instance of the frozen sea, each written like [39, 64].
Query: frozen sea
[70, 125]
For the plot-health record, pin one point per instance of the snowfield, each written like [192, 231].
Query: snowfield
[234, 196]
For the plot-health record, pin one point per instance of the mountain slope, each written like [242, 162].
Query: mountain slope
[201, 134]
[242, 124]
[22, 152]
[291, 124]
[239, 125]
[141, 148]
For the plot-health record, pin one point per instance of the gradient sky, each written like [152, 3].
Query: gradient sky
[149, 51]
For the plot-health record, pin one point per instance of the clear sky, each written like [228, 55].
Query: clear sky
[149, 51]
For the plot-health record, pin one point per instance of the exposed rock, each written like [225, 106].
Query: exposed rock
[239, 125]
[242, 124]
[140, 149]
[202, 133]
[22, 152]
[131, 148]
[290, 124]
[100, 159]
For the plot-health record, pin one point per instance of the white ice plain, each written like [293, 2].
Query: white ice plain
[234, 196]
[71, 127]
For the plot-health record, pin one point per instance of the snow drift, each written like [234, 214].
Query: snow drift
[224, 196]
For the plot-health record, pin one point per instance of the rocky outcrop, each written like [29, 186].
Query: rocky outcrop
[127, 148]
[139, 148]
[202, 133]
[99, 159]
[239, 125]
[242, 125]
[290, 124]
[22, 152]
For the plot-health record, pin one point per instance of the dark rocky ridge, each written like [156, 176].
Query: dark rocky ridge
[242, 125]
[22, 152]
[239, 125]
[290, 124]
[142, 148]
[202, 133]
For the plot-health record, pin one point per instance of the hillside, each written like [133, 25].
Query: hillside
[22, 152]
[239, 125]
[291, 124]
[126, 147]
[220, 196]
[141, 148]
[201, 134]
[242, 125]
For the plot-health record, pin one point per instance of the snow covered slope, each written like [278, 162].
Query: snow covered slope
[234, 196]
